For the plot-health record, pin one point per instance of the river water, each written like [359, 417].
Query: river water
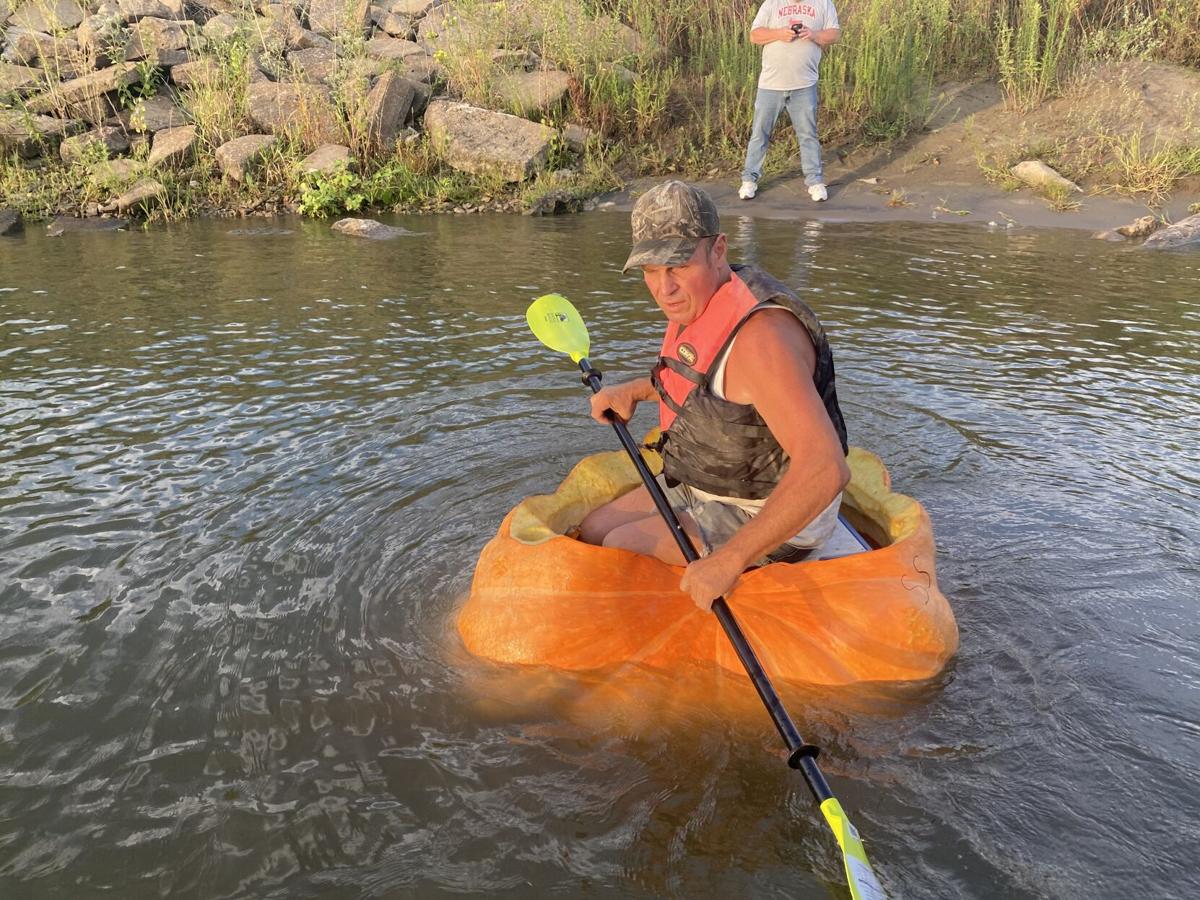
[245, 470]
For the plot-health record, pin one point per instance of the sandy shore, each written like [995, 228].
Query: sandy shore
[935, 173]
[927, 198]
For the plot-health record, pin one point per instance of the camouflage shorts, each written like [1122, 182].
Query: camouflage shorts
[717, 522]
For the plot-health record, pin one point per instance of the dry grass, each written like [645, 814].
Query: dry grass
[1151, 171]
[679, 98]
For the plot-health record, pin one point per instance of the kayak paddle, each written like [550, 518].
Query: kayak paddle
[558, 325]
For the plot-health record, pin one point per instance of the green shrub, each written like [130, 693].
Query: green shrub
[325, 194]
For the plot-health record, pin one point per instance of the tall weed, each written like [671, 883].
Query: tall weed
[1035, 49]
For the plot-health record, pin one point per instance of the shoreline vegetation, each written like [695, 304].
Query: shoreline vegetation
[166, 109]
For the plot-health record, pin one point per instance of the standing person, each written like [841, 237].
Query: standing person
[792, 35]
[753, 439]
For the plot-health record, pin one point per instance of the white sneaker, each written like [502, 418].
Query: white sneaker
[818, 192]
[748, 190]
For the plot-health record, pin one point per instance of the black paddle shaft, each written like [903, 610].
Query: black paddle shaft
[801, 755]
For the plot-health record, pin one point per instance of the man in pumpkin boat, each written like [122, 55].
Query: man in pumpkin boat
[754, 443]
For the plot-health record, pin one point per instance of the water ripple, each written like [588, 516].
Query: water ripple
[241, 493]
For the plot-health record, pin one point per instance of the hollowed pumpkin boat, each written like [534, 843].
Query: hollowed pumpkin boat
[541, 597]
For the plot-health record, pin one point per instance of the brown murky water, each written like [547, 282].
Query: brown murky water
[245, 470]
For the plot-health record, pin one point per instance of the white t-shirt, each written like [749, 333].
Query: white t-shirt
[788, 66]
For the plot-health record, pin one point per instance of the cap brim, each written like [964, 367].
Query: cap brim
[666, 252]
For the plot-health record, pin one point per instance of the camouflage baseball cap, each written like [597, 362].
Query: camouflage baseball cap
[669, 220]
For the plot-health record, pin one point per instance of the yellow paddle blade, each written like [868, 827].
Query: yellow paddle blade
[859, 874]
[558, 325]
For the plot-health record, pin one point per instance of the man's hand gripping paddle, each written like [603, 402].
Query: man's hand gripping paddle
[557, 324]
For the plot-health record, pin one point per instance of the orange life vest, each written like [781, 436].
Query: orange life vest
[710, 443]
[688, 351]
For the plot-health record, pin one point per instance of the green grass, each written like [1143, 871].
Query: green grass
[679, 100]
[1152, 170]
[1035, 48]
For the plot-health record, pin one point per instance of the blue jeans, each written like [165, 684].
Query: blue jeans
[801, 105]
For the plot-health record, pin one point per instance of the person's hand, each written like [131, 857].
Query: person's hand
[787, 35]
[620, 399]
[804, 34]
[709, 578]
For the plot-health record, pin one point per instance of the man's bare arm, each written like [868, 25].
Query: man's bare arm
[767, 35]
[773, 371]
[771, 366]
[825, 36]
[622, 399]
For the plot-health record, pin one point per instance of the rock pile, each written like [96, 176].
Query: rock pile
[95, 80]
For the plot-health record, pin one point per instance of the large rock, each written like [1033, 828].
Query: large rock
[1184, 233]
[102, 38]
[368, 228]
[333, 17]
[390, 23]
[532, 93]
[421, 100]
[577, 137]
[387, 109]
[305, 110]
[60, 225]
[25, 47]
[84, 96]
[115, 172]
[221, 27]
[326, 159]
[280, 27]
[238, 156]
[151, 114]
[452, 30]
[154, 39]
[256, 69]
[310, 40]
[313, 65]
[203, 10]
[1036, 173]
[388, 48]
[133, 10]
[48, 16]
[423, 68]
[145, 193]
[19, 79]
[413, 9]
[113, 140]
[173, 146]
[197, 73]
[165, 59]
[29, 134]
[480, 141]
[10, 221]
[1141, 227]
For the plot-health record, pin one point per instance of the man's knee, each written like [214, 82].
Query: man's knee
[595, 526]
[629, 536]
[650, 536]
